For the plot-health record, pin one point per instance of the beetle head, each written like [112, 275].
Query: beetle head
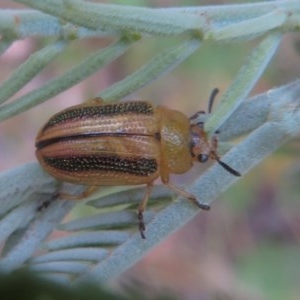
[202, 149]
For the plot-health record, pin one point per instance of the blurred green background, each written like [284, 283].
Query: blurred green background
[248, 245]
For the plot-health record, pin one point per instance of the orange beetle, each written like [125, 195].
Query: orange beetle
[124, 143]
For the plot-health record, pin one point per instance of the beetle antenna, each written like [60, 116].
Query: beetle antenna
[227, 167]
[212, 98]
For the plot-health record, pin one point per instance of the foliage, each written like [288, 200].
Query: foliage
[102, 246]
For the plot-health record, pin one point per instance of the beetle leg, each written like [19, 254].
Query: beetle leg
[187, 195]
[89, 191]
[141, 209]
[96, 101]
[47, 202]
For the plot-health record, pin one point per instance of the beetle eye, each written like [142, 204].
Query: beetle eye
[203, 158]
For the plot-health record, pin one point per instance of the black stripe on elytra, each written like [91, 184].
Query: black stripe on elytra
[96, 111]
[103, 163]
[42, 144]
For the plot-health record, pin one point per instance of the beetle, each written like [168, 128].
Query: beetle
[124, 143]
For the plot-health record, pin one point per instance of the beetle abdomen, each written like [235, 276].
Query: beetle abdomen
[88, 112]
[136, 118]
[102, 144]
[103, 163]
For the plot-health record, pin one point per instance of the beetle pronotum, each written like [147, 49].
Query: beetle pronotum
[124, 143]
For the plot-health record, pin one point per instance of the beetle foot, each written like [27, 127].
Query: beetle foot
[142, 226]
[203, 206]
[199, 204]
